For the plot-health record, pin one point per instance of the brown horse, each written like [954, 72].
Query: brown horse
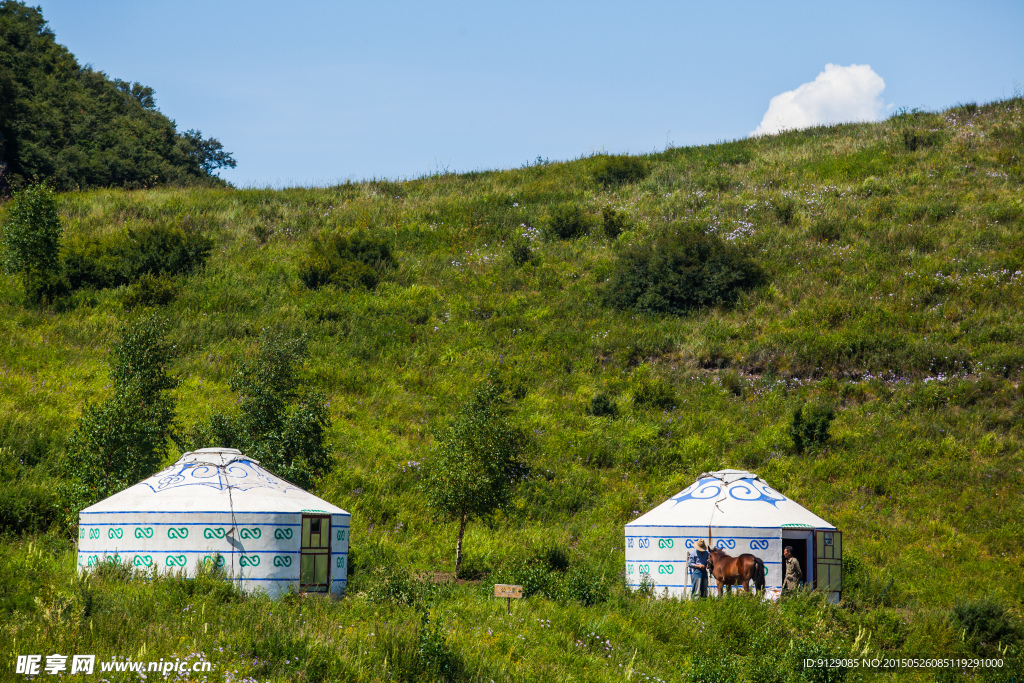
[736, 571]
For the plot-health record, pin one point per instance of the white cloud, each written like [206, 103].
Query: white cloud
[839, 94]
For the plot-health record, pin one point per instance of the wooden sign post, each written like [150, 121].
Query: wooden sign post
[507, 591]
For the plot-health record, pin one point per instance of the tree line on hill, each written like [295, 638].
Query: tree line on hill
[74, 128]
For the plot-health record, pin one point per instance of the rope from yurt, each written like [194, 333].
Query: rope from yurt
[725, 487]
[234, 520]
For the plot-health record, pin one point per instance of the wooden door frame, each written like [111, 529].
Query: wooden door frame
[313, 552]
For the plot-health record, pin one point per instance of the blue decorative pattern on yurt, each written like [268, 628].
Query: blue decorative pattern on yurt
[240, 475]
[747, 490]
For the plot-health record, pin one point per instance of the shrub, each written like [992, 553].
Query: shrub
[585, 586]
[26, 508]
[393, 584]
[157, 250]
[521, 252]
[809, 425]
[613, 222]
[785, 210]
[569, 221]
[347, 262]
[150, 290]
[603, 405]
[986, 621]
[680, 272]
[617, 170]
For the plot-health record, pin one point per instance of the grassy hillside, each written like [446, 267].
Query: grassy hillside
[892, 255]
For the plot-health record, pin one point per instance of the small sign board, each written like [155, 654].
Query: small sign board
[506, 590]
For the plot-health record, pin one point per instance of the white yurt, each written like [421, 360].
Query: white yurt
[217, 505]
[738, 512]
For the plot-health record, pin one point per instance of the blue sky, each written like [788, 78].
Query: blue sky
[320, 92]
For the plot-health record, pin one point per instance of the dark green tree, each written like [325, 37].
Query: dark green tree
[76, 128]
[31, 243]
[472, 472]
[206, 153]
[280, 421]
[124, 438]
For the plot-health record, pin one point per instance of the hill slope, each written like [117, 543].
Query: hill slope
[893, 256]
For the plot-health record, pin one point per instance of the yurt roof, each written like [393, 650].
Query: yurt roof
[731, 498]
[214, 480]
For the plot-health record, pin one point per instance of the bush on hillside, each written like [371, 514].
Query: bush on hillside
[521, 253]
[345, 261]
[809, 425]
[551, 573]
[393, 584]
[986, 621]
[680, 272]
[157, 250]
[26, 508]
[569, 221]
[612, 171]
[150, 290]
[613, 222]
[603, 405]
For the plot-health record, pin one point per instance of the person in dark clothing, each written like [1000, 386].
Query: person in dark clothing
[697, 563]
[794, 575]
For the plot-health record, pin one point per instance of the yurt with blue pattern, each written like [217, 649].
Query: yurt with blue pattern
[216, 505]
[737, 512]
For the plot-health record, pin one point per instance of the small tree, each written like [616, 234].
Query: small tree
[31, 243]
[279, 421]
[124, 438]
[477, 462]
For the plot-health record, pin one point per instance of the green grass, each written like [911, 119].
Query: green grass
[892, 253]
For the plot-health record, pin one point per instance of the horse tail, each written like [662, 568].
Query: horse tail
[759, 572]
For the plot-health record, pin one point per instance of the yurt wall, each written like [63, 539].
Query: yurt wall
[659, 553]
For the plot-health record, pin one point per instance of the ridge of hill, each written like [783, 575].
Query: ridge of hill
[892, 255]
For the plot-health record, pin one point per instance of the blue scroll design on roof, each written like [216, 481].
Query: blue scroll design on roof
[701, 490]
[747, 490]
[240, 475]
[754, 491]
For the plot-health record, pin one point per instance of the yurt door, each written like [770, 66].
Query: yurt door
[828, 561]
[315, 560]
